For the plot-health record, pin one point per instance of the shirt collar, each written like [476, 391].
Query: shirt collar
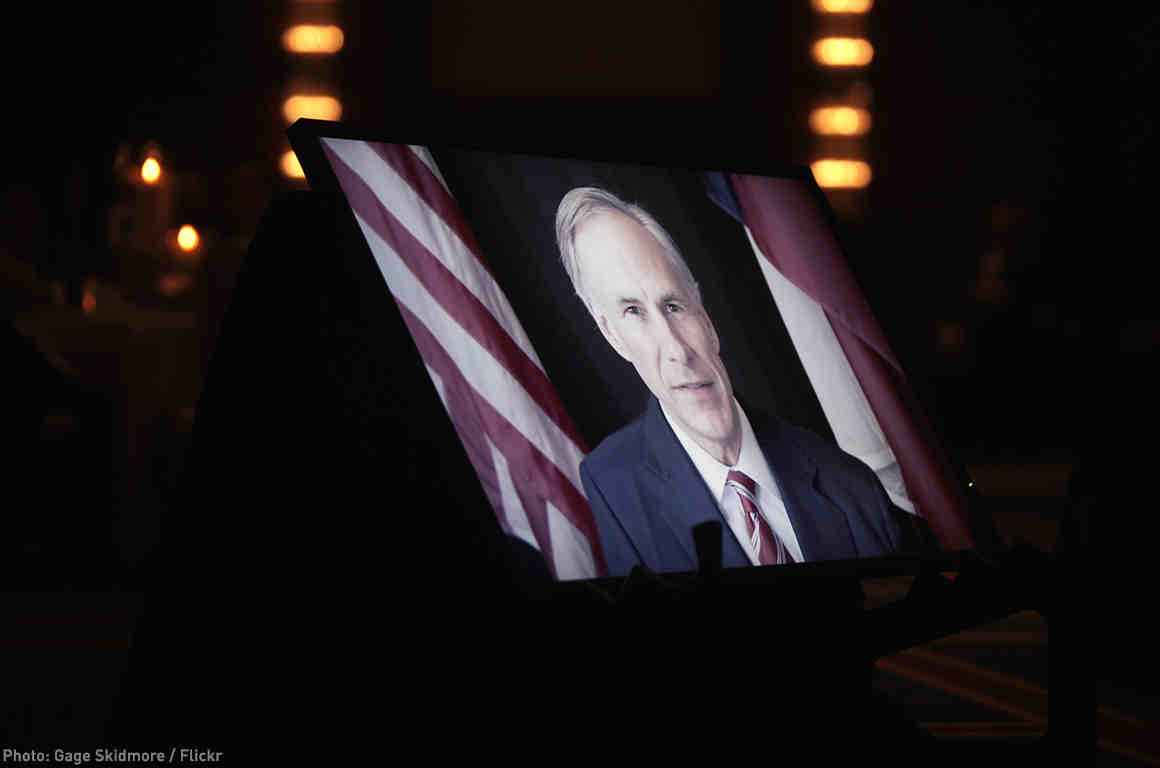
[749, 460]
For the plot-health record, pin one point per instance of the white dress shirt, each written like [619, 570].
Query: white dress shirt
[752, 462]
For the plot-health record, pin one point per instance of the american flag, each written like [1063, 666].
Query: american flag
[519, 438]
[859, 382]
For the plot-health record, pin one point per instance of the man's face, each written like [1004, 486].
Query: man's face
[653, 319]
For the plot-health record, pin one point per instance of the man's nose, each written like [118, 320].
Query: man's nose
[674, 346]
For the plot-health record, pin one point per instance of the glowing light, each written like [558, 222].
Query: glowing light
[840, 121]
[843, 52]
[315, 106]
[291, 168]
[174, 284]
[89, 298]
[150, 171]
[843, 6]
[832, 173]
[951, 336]
[313, 38]
[187, 238]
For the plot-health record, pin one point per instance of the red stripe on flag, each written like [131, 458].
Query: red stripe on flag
[427, 185]
[534, 475]
[925, 470]
[794, 237]
[459, 302]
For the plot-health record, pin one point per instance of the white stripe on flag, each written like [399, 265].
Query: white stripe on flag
[485, 374]
[437, 380]
[426, 226]
[844, 403]
[571, 551]
[425, 156]
[513, 509]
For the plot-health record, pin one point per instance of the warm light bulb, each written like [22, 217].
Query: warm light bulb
[843, 52]
[313, 38]
[843, 6]
[840, 121]
[150, 170]
[291, 168]
[187, 238]
[314, 106]
[832, 173]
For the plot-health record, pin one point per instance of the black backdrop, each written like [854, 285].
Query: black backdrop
[510, 202]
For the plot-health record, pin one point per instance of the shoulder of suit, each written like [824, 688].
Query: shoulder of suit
[832, 462]
[619, 451]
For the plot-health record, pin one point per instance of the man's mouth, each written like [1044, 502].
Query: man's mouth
[692, 386]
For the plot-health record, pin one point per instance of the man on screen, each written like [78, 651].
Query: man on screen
[785, 494]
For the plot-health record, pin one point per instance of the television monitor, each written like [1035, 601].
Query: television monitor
[624, 350]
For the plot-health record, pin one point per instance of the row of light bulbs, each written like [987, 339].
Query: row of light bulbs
[310, 40]
[841, 120]
[834, 120]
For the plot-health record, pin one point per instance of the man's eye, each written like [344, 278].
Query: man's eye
[630, 310]
[674, 307]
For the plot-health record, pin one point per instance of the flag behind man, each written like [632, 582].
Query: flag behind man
[523, 445]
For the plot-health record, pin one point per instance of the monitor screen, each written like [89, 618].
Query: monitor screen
[627, 351]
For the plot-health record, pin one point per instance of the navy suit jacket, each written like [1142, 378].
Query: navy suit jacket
[647, 496]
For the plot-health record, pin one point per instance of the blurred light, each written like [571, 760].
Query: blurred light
[843, 51]
[187, 238]
[291, 168]
[58, 420]
[832, 173]
[315, 106]
[990, 289]
[1004, 217]
[174, 284]
[89, 298]
[951, 336]
[150, 170]
[840, 121]
[993, 262]
[313, 38]
[843, 6]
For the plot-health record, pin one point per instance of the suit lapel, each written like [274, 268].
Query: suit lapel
[820, 526]
[676, 490]
[675, 493]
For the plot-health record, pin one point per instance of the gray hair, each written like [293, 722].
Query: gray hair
[581, 204]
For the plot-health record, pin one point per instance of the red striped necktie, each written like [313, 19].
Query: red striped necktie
[770, 550]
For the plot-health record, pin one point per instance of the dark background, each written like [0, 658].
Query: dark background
[1003, 240]
[511, 203]
[1006, 243]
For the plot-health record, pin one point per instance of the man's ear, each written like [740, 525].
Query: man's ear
[609, 334]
